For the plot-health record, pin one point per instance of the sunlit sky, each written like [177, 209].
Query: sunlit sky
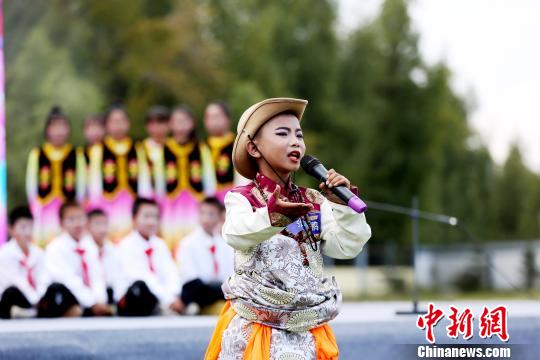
[493, 49]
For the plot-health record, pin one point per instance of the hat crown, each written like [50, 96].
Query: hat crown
[252, 120]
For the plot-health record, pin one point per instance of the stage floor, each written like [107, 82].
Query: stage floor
[366, 330]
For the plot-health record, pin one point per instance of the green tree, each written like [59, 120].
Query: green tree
[517, 199]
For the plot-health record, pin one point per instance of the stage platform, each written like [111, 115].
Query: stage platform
[366, 330]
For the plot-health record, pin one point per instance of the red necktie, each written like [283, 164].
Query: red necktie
[84, 266]
[149, 253]
[214, 258]
[29, 276]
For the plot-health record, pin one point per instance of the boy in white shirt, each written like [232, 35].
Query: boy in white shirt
[98, 229]
[149, 276]
[72, 260]
[204, 258]
[23, 280]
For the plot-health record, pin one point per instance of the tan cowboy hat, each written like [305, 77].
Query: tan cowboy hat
[252, 119]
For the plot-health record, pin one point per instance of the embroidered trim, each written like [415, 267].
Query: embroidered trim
[277, 296]
[314, 196]
[278, 219]
[302, 321]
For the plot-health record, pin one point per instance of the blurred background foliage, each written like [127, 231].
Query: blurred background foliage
[378, 113]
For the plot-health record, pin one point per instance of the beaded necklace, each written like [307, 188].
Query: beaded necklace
[307, 233]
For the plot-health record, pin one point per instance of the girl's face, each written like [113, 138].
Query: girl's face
[58, 132]
[158, 130]
[117, 124]
[94, 132]
[281, 142]
[182, 125]
[216, 121]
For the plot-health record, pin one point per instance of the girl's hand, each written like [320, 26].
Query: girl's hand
[290, 209]
[335, 179]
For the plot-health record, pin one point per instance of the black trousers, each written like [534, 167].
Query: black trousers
[54, 303]
[12, 296]
[201, 293]
[110, 295]
[138, 301]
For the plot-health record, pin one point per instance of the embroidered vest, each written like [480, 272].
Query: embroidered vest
[120, 166]
[221, 148]
[56, 172]
[183, 167]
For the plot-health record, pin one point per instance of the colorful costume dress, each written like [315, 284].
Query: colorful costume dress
[279, 301]
[221, 148]
[154, 155]
[188, 179]
[53, 175]
[118, 172]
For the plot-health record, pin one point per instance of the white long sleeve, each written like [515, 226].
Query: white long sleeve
[196, 261]
[164, 282]
[245, 228]
[110, 263]
[64, 266]
[208, 170]
[188, 263]
[14, 274]
[344, 232]
[169, 282]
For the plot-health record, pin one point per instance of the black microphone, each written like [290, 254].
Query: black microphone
[312, 166]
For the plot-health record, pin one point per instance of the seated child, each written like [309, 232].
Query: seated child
[204, 258]
[98, 229]
[72, 260]
[149, 278]
[23, 278]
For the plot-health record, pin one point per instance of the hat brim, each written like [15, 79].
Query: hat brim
[251, 121]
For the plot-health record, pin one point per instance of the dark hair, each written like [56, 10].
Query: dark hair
[158, 113]
[95, 213]
[224, 106]
[55, 114]
[94, 118]
[115, 106]
[213, 201]
[20, 212]
[186, 110]
[140, 202]
[66, 206]
[285, 112]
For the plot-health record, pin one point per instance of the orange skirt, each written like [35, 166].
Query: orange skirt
[258, 346]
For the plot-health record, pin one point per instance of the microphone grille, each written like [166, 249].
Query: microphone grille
[308, 162]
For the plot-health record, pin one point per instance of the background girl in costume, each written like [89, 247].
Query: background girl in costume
[55, 173]
[189, 177]
[217, 122]
[94, 133]
[118, 172]
[157, 127]
[94, 130]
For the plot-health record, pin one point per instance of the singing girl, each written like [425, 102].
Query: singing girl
[279, 301]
